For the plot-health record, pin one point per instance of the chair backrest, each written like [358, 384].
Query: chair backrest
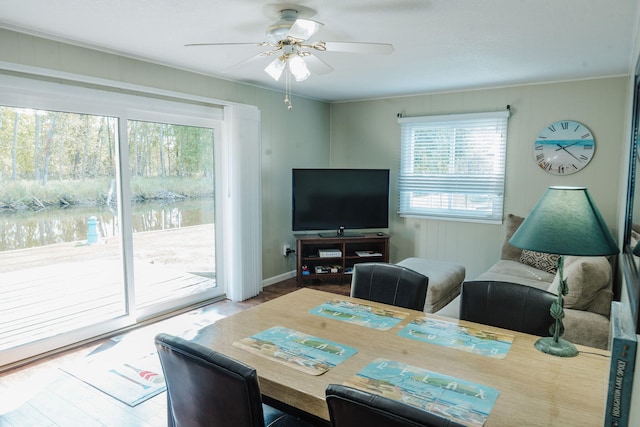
[207, 388]
[389, 284]
[507, 305]
[350, 407]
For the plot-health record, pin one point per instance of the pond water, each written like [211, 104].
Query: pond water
[49, 226]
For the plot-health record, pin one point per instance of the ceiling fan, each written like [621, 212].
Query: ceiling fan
[288, 40]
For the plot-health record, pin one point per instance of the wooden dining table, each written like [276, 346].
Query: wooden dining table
[535, 389]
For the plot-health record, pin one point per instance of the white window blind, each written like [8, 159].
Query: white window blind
[453, 166]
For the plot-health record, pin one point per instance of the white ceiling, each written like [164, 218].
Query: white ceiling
[440, 45]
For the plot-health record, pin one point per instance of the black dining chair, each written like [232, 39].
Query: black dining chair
[507, 305]
[350, 407]
[389, 284]
[207, 388]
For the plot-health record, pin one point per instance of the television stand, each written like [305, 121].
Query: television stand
[344, 252]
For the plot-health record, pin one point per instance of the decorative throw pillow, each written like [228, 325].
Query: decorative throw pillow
[586, 277]
[509, 251]
[540, 260]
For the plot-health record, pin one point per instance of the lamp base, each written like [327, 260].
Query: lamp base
[562, 348]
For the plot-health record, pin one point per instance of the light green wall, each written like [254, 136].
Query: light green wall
[296, 138]
[366, 134]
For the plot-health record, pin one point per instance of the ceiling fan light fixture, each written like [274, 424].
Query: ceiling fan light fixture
[275, 68]
[298, 68]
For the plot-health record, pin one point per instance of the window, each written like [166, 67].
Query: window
[452, 167]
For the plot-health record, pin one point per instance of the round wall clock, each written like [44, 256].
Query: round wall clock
[564, 147]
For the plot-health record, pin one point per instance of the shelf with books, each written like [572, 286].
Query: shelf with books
[316, 260]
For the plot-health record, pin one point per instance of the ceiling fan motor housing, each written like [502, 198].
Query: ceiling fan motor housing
[278, 31]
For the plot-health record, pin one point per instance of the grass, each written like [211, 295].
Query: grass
[30, 195]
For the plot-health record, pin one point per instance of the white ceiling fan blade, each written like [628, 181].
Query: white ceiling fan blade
[317, 65]
[228, 44]
[242, 64]
[358, 47]
[302, 29]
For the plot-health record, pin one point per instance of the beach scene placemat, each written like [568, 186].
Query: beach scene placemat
[463, 401]
[297, 350]
[449, 334]
[360, 314]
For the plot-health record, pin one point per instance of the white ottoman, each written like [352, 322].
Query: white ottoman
[445, 279]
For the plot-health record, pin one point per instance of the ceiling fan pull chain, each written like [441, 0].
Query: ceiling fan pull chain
[287, 88]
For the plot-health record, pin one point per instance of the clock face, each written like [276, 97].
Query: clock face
[564, 147]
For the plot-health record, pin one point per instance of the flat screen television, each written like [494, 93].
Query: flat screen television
[340, 199]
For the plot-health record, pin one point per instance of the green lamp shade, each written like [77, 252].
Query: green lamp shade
[565, 221]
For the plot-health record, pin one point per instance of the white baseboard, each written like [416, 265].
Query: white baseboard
[279, 278]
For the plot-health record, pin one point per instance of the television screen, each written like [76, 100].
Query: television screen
[338, 199]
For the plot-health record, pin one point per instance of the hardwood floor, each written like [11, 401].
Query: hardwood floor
[41, 394]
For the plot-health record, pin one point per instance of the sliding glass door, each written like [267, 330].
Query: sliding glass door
[172, 186]
[56, 170]
[107, 214]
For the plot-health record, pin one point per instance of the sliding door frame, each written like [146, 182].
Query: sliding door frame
[69, 94]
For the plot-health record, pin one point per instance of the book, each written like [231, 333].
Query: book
[368, 253]
[329, 253]
[623, 355]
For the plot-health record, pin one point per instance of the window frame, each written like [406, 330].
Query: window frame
[456, 188]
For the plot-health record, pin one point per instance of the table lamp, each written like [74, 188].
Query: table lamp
[565, 221]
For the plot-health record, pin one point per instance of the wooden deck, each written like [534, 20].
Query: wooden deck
[54, 289]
